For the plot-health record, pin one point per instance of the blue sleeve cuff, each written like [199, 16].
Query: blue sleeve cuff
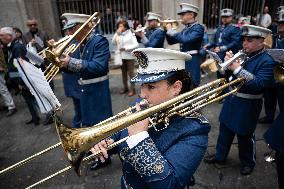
[146, 159]
[172, 32]
[75, 65]
[245, 75]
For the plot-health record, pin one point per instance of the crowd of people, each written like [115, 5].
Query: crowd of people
[149, 155]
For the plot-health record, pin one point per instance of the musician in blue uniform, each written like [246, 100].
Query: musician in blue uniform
[155, 35]
[70, 79]
[92, 66]
[227, 36]
[275, 134]
[190, 39]
[241, 110]
[163, 156]
[273, 93]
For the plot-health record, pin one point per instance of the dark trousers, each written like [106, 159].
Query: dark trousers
[77, 119]
[246, 145]
[280, 169]
[127, 70]
[271, 96]
[31, 102]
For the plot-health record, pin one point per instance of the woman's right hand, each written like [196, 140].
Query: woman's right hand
[102, 148]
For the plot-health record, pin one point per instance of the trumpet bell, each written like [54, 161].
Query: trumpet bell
[209, 65]
[279, 74]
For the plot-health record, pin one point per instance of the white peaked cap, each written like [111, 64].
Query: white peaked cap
[153, 16]
[227, 12]
[157, 63]
[255, 31]
[72, 19]
[185, 7]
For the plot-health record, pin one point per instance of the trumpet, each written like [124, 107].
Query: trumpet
[140, 29]
[174, 23]
[221, 66]
[76, 142]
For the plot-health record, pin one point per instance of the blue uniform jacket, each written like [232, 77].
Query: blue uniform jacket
[274, 136]
[190, 38]
[16, 50]
[156, 38]
[227, 37]
[240, 114]
[168, 158]
[70, 80]
[95, 97]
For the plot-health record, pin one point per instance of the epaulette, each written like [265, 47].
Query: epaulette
[198, 116]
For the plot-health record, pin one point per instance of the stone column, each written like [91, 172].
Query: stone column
[47, 15]
[13, 13]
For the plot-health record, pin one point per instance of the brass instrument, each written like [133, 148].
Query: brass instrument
[140, 29]
[54, 51]
[279, 74]
[209, 65]
[221, 66]
[76, 142]
[174, 23]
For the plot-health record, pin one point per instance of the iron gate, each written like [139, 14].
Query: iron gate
[110, 11]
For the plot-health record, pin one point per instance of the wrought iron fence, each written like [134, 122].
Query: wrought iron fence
[110, 11]
[212, 9]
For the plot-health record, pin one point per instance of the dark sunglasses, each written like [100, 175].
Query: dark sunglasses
[32, 25]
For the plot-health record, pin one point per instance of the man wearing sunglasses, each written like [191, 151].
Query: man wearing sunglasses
[35, 37]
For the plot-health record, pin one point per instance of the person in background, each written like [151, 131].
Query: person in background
[241, 110]
[125, 42]
[275, 134]
[92, 68]
[155, 35]
[18, 50]
[4, 92]
[164, 157]
[190, 39]
[69, 78]
[265, 18]
[35, 37]
[19, 34]
[275, 92]
[36, 40]
[226, 38]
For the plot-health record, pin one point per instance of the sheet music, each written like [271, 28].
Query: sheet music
[35, 80]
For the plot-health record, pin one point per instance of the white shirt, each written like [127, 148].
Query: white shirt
[125, 40]
[265, 20]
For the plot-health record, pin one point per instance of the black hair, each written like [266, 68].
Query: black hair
[124, 23]
[17, 30]
[181, 75]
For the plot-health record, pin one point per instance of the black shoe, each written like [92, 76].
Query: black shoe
[265, 120]
[11, 112]
[245, 170]
[29, 122]
[98, 164]
[32, 121]
[210, 159]
[48, 121]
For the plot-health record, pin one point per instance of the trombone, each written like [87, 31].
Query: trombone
[64, 46]
[76, 142]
